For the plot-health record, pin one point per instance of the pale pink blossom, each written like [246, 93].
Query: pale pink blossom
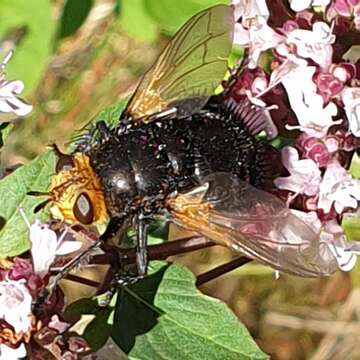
[334, 235]
[305, 176]
[253, 31]
[314, 149]
[314, 118]
[331, 234]
[9, 94]
[338, 188]
[343, 8]
[9, 353]
[15, 304]
[15, 309]
[45, 246]
[328, 85]
[315, 44]
[248, 9]
[309, 218]
[299, 5]
[351, 99]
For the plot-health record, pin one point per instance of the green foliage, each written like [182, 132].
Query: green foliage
[73, 15]
[135, 20]
[351, 226]
[5, 129]
[142, 19]
[33, 51]
[165, 317]
[170, 16]
[355, 166]
[98, 329]
[14, 235]
[111, 114]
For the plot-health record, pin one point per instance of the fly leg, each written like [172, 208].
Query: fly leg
[141, 237]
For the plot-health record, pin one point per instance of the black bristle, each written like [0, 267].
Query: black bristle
[254, 118]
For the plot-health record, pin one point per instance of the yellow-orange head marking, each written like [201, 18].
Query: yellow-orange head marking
[76, 194]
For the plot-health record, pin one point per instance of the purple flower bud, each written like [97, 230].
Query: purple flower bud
[314, 149]
[78, 344]
[344, 72]
[328, 85]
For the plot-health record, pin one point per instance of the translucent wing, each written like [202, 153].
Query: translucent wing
[189, 69]
[255, 223]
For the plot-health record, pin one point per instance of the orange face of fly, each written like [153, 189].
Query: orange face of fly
[76, 194]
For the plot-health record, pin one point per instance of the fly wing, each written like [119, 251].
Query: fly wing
[252, 222]
[189, 69]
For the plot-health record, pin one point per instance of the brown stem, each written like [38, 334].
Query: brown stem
[221, 270]
[116, 257]
[154, 252]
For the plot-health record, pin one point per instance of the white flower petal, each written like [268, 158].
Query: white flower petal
[44, 245]
[8, 353]
[253, 31]
[351, 99]
[338, 187]
[305, 176]
[315, 44]
[9, 101]
[299, 5]
[345, 258]
[313, 117]
[15, 304]
[67, 247]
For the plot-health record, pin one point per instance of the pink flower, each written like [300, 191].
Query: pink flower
[313, 117]
[338, 188]
[249, 9]
[314, 149]
[299, 5]
[344, 71]
[15, 310]
[305, 176]
[253, 31]
[342, 7]
[351, 99]
[46, 246]
[328, 85]
[9, 353]
[331, 234]
[9, 92]
[315, 44]
[9, 101]
[15, 304]
[23, 269]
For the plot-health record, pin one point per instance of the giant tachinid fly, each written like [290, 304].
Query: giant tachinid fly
[183, 154]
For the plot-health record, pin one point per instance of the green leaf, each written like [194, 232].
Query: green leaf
[110, 116]
[33, 51]
[351, 226]
[73, 16]
[13, 194]
[164, 316]
[171, 17]
[5, 129]
[96, 331]
[355, 166]
[136, 22]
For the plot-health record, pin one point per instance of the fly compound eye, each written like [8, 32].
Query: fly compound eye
[83, 209]
[65, 162]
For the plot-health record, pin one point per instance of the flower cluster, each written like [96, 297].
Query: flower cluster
[9, 94]
[23, 283]
[296, 67]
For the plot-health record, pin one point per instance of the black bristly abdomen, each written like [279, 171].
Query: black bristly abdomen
[141, 165]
